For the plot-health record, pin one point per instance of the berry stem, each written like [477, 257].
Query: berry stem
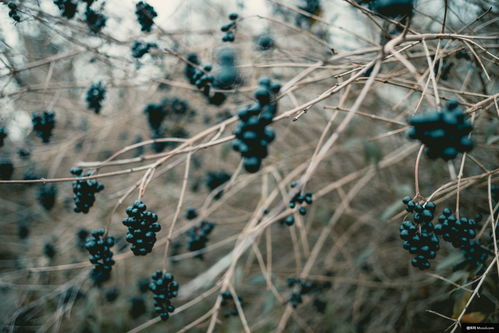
[416, 170]
[177, 211]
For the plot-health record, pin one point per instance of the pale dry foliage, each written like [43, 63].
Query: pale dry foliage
[340, 134]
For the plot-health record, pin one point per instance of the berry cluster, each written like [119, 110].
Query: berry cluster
[95, 95]
[142, 228]
[198, 237]
[43, 124]
[226, 300]
[137, 307]
[304, 288]
[101, 255]
[111, 294]
[95, 20]
[81, 238]
[6, 168]
[175, 108]
[191, 213]
[139, 49]
[310, 6]
[299, 198]
[265, 42]
[203, 80]
[164, 289]
[145, 15]
[459, 232]
[49, 250]
[215, 179]
[46, 195]
[3, 135]
[230, 28]
[443, 133]
[227, 77]
[13, 14]
[67, 7]
[253, 133]
[392, 8]
[419, 236]
[84, 191]
[23, 153]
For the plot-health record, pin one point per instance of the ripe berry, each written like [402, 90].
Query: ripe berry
[145, 15]
[84, 191]
[95, 95]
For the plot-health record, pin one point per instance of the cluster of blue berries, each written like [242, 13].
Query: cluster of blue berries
[84, 191]
[215, 179]
[142, 228]
[444, 133]
[95, 95]
[391, 8]
[227, 77]
[299, 199]
[228, 301]
[46, 195]
[419, 235]
[101, 255]
[230, 28]
[164, 289]
[461, 234]
[139, 49]
[43, 124]
[253, 133]
[3, 135]
[203, 80]
[198, 237]
[304, 288]
[95, 20]
[145, 15]
[13, 14]
[265, 42]
[67, 7]
[6, 168]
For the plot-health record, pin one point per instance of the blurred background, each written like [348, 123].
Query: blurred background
[120, 94]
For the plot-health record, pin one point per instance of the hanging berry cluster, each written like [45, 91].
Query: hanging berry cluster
[299, 199]
[95, 95]
[139, 49]
[253, 133]
[391, 8]
[145, 15]
[84, 191]
[461, 234]
[49, 250]
[164, 289]
[227, 76]
[304, 288]
[67, 7]
[3, 135]
[6, 168]
[142, 228]
[228, 301]
[444, 134]
[198, 237]
[203, 80]
[13, 14]
[43, 124]
[215, 179]
[230, 28]
[46, 195]
[265, 42]
[94, 20]
[418, 236]
[101, 255]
